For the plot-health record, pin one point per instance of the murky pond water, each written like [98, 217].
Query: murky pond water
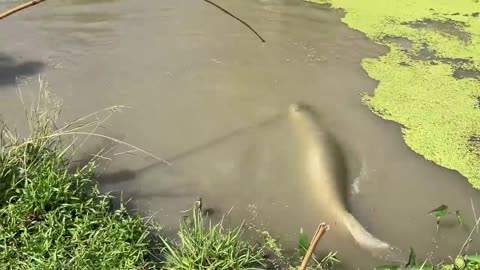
[207, 95]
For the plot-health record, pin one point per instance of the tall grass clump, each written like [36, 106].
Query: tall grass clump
[205, 246]
[53, 218]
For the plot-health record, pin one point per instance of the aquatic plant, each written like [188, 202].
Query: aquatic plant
[420, 86]
[442, 211]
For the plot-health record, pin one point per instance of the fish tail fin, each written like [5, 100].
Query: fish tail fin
[369, 242]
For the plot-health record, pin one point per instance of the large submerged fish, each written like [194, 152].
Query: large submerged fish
[323, 168]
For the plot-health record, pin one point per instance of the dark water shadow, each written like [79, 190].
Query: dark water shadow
[474, 140]
[128, 197]
[461, 73]
[428, 54]
[448, 27]
[403, 42]
[125, 175]
[178, 190]
[462, 69]
[11, 70]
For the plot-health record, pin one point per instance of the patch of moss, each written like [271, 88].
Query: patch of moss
[418, 87]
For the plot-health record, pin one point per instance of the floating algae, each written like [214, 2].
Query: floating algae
[429, 81]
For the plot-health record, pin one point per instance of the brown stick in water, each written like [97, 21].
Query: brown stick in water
[235, 17]
[321, 229]
[18, 8]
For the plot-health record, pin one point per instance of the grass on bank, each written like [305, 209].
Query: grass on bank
[52, 218]
[211, 247]
[203, 245]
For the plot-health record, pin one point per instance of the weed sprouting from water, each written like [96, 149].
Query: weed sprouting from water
[303, 242]
[442, 211]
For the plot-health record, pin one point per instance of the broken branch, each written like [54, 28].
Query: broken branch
[235, 17]
[18, 8]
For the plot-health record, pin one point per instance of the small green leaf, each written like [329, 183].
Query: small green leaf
[440, 211]
[411, 258]
[473, 258]
[459, 263]
[459, 217]
[303, 242]
[388, 267]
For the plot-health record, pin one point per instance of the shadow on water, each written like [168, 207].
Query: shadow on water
[461, 73]
[178, 190]
[129, 197]
[126, 175]
[448, 27]
[10, 69]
